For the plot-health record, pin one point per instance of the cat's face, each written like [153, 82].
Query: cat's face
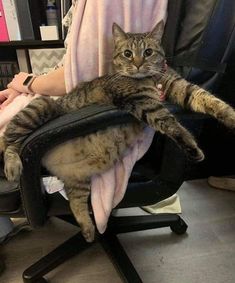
[138, 55]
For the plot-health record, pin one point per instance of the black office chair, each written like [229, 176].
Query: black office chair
[159, 174]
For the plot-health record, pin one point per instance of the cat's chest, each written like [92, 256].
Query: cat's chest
[98, 95]
[125, 85]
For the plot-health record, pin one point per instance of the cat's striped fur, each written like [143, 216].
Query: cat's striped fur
[193, 97]
[138, 61]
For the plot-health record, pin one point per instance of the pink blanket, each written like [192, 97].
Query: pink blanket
[88, 56]
[13, 108]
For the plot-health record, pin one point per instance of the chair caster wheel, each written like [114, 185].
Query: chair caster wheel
[179, 227]
[41, 280]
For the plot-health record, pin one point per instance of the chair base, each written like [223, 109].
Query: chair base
[110, 243]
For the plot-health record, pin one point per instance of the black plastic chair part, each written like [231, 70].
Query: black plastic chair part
[35, 199]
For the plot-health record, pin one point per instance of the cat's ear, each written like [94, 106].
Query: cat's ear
[157, 31]
[118, 33]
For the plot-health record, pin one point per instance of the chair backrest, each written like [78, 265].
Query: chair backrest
[199, 39]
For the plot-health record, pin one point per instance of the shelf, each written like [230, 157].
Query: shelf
[33, 43]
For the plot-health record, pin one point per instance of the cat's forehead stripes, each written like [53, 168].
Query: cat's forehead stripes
[137, 46]
[137, 39]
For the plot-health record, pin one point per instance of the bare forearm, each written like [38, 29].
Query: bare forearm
[50, 84]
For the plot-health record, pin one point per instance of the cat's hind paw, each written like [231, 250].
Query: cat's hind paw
[88, 233]
[13, 169]
[195, 154]
[2, 147]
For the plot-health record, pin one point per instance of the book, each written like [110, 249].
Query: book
[23, 60]
[11, 19]
[24, 19]
[8, 68]
[7, 71]
[3, 25]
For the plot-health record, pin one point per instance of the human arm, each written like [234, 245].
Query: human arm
[52, 84]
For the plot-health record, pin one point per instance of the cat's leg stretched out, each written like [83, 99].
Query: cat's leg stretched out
[12, 163]
[11, 158]
[2, 147]
[78, 194]
[37, 113]
[168, 125]
[153, 113]
[191, 96]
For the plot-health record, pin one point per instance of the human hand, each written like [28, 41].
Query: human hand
[7, 96]
[17, 82]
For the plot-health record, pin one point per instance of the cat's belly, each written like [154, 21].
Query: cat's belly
[80, 158]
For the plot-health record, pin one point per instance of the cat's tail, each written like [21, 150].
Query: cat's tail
[34, 115]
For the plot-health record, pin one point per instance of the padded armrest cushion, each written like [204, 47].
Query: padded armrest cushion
[86, 121]
[83, 122]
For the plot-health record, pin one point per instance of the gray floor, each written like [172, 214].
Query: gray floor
[206, 254]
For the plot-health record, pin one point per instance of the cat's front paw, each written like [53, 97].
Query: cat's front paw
[195, 154]
[13, 170]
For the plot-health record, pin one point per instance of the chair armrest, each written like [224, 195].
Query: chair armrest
[83, 122]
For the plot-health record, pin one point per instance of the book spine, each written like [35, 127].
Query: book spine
[3, 25]
[7, 71]
[23, 60]
[11, 19]
[24, 18]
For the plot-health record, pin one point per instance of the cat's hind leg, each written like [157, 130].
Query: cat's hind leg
[12, 163]
[2, 147]
[78, 195]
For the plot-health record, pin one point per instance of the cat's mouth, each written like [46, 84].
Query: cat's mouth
[143, 74]
[139, 75]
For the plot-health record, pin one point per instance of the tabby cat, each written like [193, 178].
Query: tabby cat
[139, 64]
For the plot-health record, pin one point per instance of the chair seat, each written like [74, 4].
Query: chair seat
[9, 196]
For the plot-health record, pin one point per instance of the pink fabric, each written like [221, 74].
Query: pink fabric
[90, 47]
[88, 56]
[108, 189]
[13, 108]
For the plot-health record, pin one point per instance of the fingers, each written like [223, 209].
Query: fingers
[3, 95]
[8, 101]
[7, 96]
[17, 82]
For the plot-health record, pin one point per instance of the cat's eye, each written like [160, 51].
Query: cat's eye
[128, 53]
[148, 52]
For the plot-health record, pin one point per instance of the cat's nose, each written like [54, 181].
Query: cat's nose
[138, 61]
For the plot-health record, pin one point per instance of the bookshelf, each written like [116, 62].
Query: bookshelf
[20, 40]
[32, 43]
[17, 53]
